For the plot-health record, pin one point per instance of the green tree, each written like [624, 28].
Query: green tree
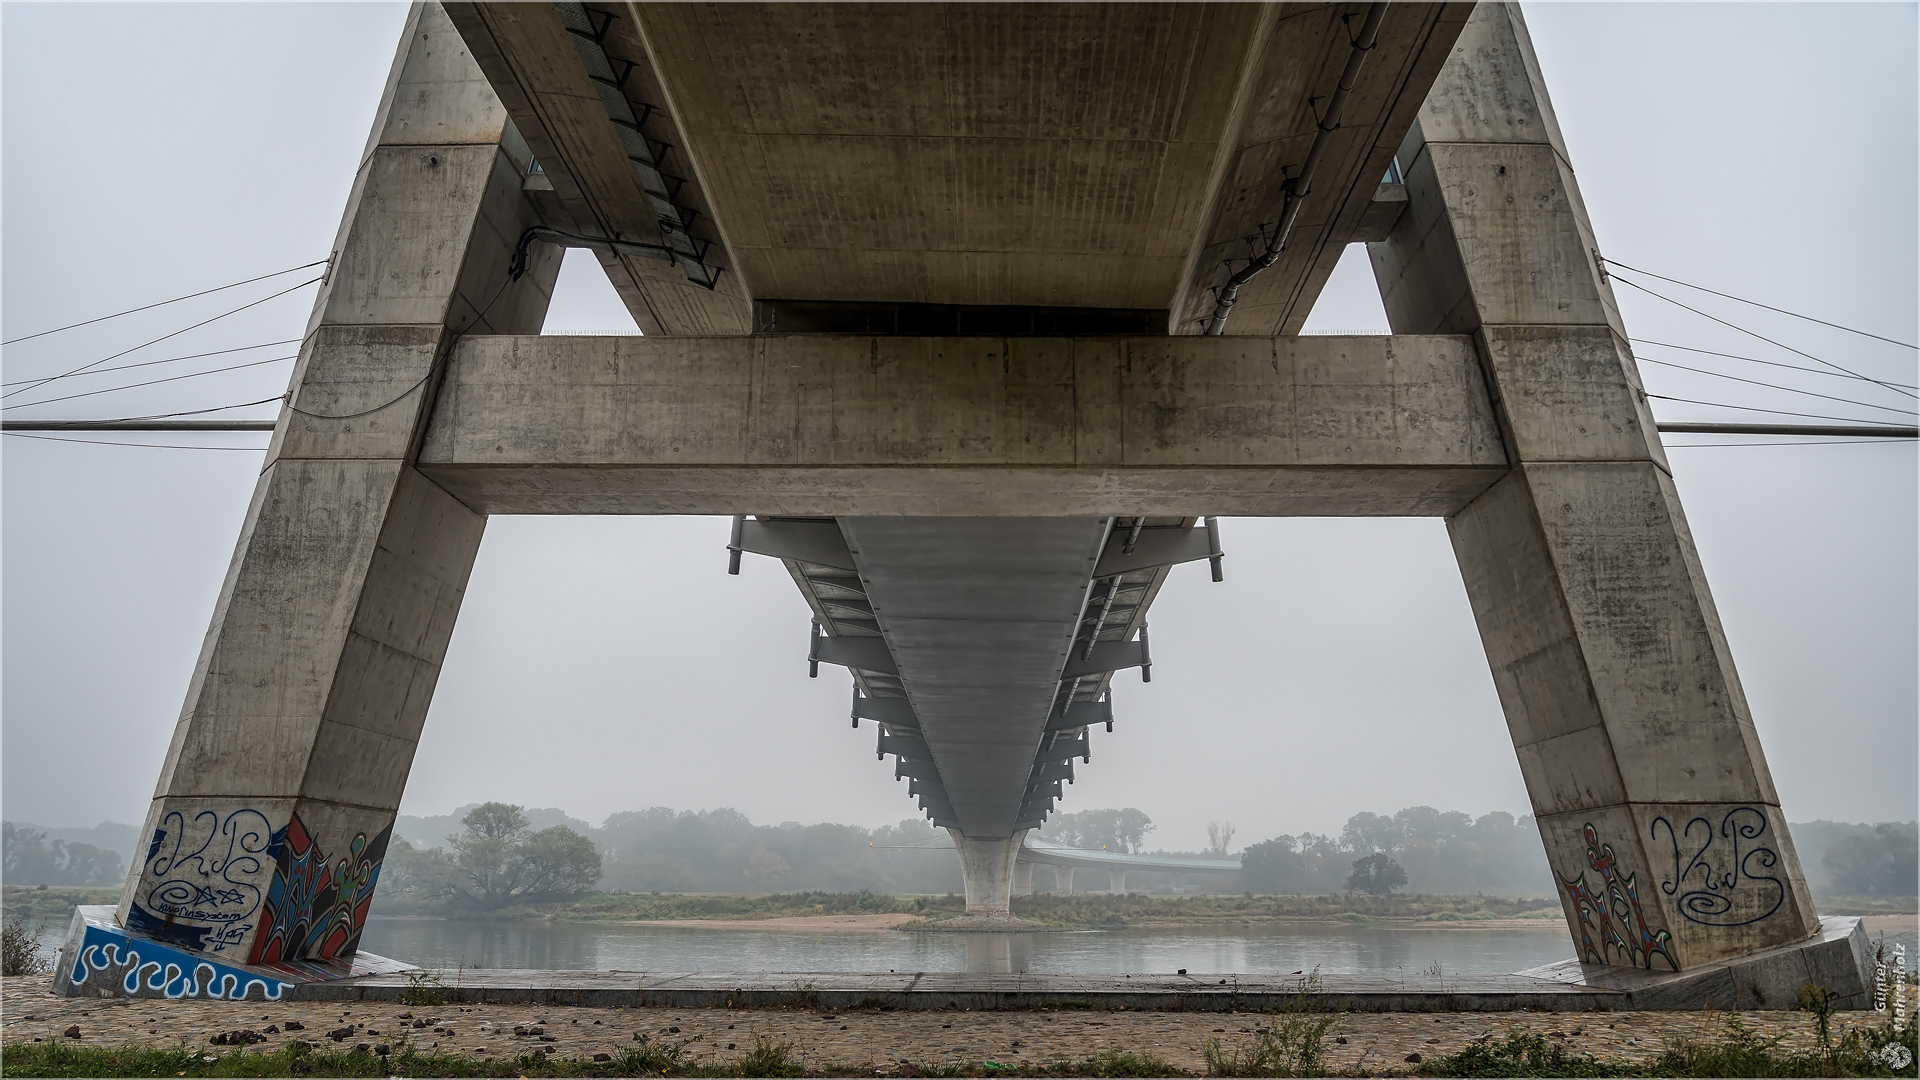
[1273, 867]
[1376, 874]
[500, 860]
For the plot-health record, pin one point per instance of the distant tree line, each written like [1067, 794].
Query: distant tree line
[1885, 862]
[29, 857]
[1101, 830]
[498, 859]
[495, 855]
[1420, 848]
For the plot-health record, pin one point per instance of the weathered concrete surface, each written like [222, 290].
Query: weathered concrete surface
[1097, 155]
[987, 868]
[1839, 958]
[833, 425]
[275, 802]
[1635, 740]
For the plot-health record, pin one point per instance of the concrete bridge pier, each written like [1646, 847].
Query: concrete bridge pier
[267, 830]
[1117, 882]
[1022, 878]
[1637, 746]
[987, 867]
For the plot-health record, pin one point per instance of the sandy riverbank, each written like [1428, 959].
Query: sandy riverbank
[842, 923]
[877, 1042]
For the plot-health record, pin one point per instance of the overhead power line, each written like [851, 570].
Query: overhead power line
[151, 363]
[1777, 386]
[1751, 408]
[202, 412]
[1771, 363]
[1732, 326]
[148, 446]
[1756, 303]
[87, 367]
[137, 425]
[151, 382]
[1876, 431]
[1795, 442]
[164, 303]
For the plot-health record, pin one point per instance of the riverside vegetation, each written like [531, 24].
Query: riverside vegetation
[1290, 1043]
[524, 853]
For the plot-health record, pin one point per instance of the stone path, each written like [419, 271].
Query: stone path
[1376, 1043]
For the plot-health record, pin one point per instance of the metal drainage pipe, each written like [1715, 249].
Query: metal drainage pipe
[1299, 186]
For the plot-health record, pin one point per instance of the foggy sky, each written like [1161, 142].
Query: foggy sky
[603, 664]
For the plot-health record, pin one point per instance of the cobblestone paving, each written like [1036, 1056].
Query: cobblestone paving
[1375, 1043]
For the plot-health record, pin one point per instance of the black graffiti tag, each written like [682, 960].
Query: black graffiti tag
[1725, 880]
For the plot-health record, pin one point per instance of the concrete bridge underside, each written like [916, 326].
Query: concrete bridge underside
[923, 289]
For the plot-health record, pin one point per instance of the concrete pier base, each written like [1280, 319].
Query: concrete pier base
[100, 958]
[1838, 958]
[987, 866]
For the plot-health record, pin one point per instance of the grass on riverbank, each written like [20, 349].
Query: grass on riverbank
[53, 907]
[768, 1058]
[1737, 1051]
[50, 905]
[1085, 910]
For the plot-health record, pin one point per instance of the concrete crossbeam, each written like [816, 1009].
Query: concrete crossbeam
[832, 425]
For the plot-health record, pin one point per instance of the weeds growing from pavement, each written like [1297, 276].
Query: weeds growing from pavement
[20, 951]
[1292, 1044]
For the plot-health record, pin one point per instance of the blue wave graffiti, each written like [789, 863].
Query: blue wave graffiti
[144, 969]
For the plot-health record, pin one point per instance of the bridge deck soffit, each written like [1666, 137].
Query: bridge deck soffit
[1096, 156]
[822, 425]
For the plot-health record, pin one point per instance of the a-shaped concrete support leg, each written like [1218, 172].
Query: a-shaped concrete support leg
[267, 830]
[1638, 749]
[1117, 882]
[1022, 878]
[987, 867]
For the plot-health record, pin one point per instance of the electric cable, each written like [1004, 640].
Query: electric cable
[164, 303]
[150, 363]
[1750, 408]
[1891, 386]
[201, 412]
[158, 340]
[1776, 386]
[432, 369]
[1769, 363]
[150, 446]
[1796, 442]
[1758, 304]
[150, 382]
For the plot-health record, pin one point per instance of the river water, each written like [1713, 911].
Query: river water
[1245, 949]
